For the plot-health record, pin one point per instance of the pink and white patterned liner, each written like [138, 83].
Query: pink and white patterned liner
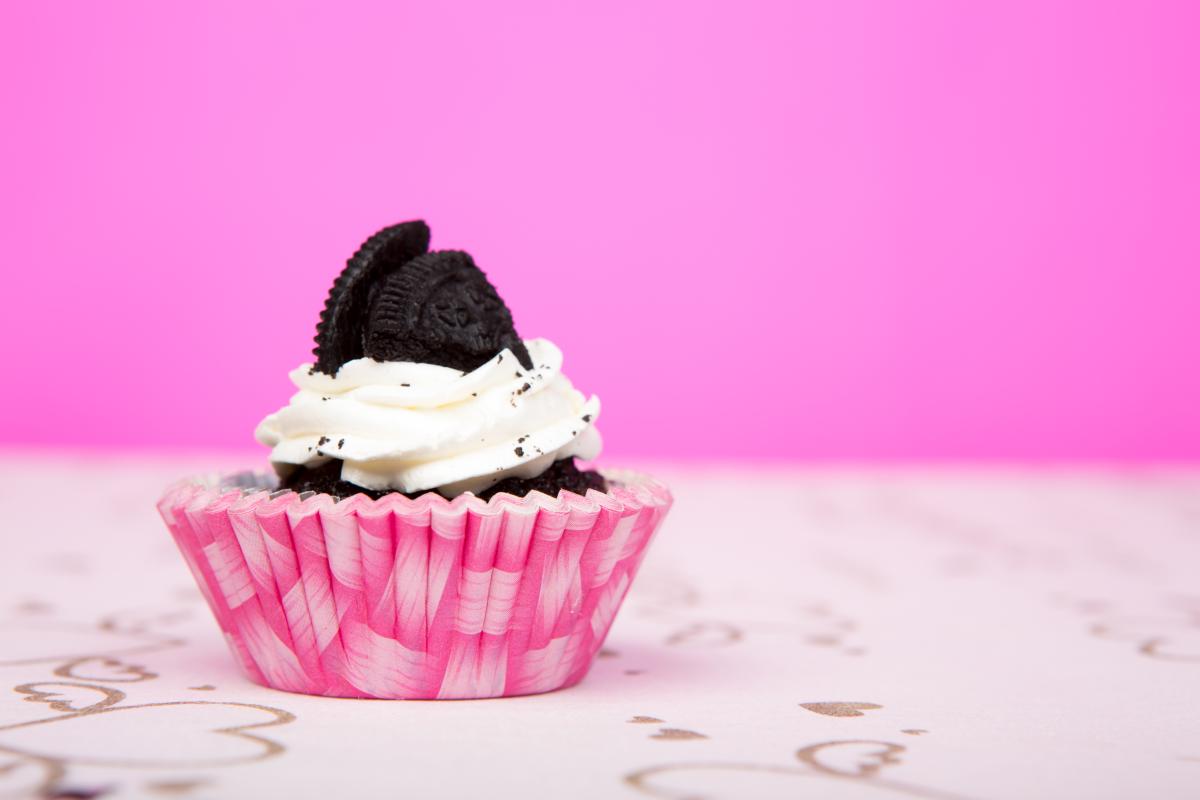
[413, 599]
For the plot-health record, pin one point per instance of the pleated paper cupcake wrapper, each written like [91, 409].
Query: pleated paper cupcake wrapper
[413, 599]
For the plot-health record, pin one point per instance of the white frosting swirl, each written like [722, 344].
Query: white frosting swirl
[410, 427]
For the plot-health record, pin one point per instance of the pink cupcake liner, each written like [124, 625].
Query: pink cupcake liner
[413, 599]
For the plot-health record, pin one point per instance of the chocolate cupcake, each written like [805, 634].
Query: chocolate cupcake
[425, 531]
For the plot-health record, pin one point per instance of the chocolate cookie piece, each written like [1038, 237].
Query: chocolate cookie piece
[327, 479]
[341, 331]
[440, 308]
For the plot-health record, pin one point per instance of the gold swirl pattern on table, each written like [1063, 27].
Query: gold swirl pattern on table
[35, 760]
[860, 760]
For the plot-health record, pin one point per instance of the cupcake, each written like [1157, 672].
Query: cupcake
[425, 531]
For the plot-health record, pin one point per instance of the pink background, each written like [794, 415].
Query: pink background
[884, 230]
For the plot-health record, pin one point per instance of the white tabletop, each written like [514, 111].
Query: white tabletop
[939, 633]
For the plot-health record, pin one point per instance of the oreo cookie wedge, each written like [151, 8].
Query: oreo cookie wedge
[340, 332]
[439, 308]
